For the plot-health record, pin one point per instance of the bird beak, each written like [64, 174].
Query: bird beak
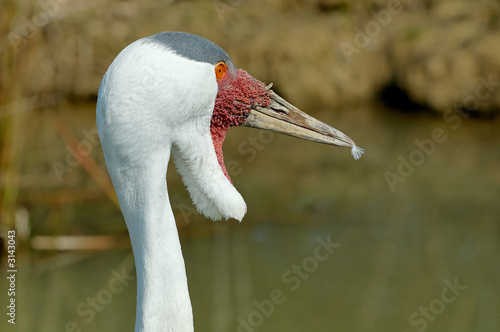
[282, 117]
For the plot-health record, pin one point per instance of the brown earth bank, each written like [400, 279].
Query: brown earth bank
[439, 55]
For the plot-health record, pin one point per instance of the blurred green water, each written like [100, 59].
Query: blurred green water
[396, 252]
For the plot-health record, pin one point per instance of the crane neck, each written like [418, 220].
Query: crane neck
[163, 302]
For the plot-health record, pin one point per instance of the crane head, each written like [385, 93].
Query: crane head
[177, 94]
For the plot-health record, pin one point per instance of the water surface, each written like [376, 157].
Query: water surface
[420, 253]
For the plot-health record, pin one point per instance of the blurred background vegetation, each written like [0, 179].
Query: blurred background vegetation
[386, 73]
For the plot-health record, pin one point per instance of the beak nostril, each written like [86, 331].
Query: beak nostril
[279, 109]
[279, 105]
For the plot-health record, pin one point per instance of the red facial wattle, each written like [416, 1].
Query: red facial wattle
[235, 98]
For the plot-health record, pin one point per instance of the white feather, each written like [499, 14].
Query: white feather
[356, 152]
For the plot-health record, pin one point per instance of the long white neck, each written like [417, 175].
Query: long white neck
[151, 102]
[163, 302]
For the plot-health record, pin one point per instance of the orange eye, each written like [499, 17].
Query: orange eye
[220, 70]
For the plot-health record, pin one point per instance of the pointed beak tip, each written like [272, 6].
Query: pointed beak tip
[282, 117]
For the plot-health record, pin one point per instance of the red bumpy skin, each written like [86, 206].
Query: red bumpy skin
[237, 94]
